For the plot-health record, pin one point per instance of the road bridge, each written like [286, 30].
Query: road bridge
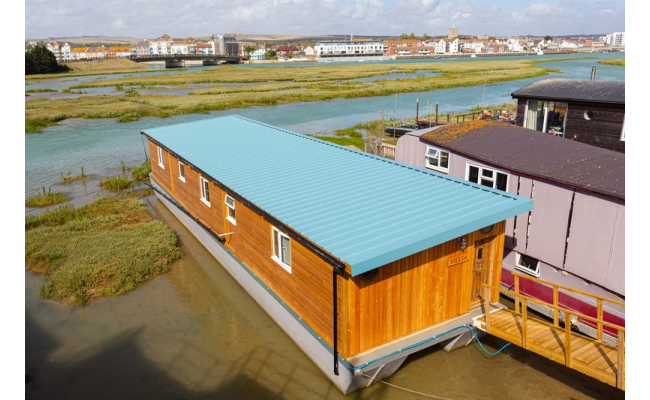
[178, 60]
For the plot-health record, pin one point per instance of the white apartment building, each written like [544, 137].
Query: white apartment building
[258, 55]
[352, 48]
[441, 47]
[615, 39]
[474, 47]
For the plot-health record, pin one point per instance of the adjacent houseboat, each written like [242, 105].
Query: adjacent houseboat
[574, 237]
[587, 111]
[361, 260]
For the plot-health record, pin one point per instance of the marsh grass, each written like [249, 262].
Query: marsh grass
[46, 198]
[40, 90]
[291, 84]
[69, 178]
[141, 172]
[115, 183]
[613, 61]
[105, 248]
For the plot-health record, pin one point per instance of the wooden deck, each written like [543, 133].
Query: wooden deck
[587, 355]
[592, 357]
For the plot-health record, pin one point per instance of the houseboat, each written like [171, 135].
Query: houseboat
[321, 237]
[587, 111]
[574, 237]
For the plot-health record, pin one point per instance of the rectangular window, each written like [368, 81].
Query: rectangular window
[546, 116]
[230, 205]
[205, 191]
[487, 177]
[282, 249]
[181, 171]
[527, 264]
[437, 159]
[161, 162]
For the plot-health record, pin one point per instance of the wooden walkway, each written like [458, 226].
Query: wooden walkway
[590, 356]
[587, 355]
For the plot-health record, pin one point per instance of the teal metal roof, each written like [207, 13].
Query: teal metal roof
[365, 210]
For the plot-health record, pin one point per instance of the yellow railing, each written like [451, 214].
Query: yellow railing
[523, 311]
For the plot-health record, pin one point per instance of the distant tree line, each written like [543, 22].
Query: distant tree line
[39, 60]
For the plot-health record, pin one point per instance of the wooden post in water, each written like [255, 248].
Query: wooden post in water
[567, 339]
[382, 120]
[437, 114]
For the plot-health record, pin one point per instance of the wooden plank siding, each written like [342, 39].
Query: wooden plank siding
[406, 296]
[603, 130]
[418, 291]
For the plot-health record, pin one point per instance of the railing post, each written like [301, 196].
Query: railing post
[524, 314]
[567, 339]
[517, 294]
[620, 368]
[556, 312]
[600, 320]
[487, 294]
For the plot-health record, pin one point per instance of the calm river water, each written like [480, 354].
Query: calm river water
[194, 333]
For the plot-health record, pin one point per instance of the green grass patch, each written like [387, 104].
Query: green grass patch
[141, 172]
[46, 198]
[290, 84]
[343, 141]
[348, 132]
[40, 90]
[69, 178]
[614, 61]
[115, 183]
[105, 248]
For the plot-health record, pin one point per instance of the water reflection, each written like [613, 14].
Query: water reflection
[195, 333]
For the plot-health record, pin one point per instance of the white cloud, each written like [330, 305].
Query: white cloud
[150, 18]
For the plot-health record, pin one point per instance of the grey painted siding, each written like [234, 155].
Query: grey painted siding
[596, 249]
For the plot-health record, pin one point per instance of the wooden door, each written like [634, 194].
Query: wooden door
[482, 267]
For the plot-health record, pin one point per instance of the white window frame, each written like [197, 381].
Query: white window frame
[202, 182]
[545, 108]
[437, 167]
[525, 269]
[228, 208]
[480, 175]
[161, 159]
[623, 131]
[277, 245]
[181, 171]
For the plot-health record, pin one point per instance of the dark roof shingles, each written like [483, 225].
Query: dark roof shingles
[535, 154]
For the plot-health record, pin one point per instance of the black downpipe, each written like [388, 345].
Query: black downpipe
[335, 312]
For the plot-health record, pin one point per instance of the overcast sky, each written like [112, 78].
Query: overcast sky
[179, 18]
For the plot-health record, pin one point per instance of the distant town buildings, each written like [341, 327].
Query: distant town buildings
[451, 45]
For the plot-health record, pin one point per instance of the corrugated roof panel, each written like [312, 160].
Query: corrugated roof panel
[364, 210]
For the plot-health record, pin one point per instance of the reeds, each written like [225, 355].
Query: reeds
[46, 198]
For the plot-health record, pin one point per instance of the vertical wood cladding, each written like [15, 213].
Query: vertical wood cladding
[406, 296]
[602, 130]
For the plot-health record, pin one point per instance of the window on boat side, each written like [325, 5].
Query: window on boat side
[230, 206]
[527, 264]
[160, 158]
[205, 191]
[487, 177]
[181, 171]
[437, 159]
[546, 116]
[282, 249]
